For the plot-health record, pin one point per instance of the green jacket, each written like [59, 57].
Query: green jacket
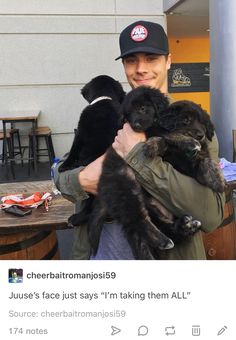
[180, 194]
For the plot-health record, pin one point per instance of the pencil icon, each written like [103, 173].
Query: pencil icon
[221, 331]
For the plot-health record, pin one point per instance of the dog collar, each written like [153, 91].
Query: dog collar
[99, 98]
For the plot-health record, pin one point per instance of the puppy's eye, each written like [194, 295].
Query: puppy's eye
[187, 121]
[142, 109]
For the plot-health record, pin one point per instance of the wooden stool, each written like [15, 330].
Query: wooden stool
[17, 149]
[9, 144]
[42, 132]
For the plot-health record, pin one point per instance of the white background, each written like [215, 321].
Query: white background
[210, 304]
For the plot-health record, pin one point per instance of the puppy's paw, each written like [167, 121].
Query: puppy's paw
[219, 186]
[156, 238]
[183, 142]
[187, 226]
[191, 146]
[211, 175]
[154, 146]
[161, 241]
[165, 243]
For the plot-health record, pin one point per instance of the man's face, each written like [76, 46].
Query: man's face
[148, 70]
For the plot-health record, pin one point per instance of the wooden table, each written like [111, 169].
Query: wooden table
[34, 236]
[30, 116]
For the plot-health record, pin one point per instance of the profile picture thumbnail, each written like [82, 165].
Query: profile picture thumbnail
[15, 275]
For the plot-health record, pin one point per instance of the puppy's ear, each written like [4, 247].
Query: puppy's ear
[120, 92]
[168, 121]
[122, 116]
[157, 116]
[122, 96]
[208, 124]
[210, 130]
[161, 104]
[85, 92]
[121, 122]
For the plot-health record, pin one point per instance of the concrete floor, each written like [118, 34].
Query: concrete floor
[21, 173]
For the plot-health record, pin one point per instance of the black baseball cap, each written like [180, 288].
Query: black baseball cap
[143, 36]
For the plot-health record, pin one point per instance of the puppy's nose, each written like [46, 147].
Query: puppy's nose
[137, 125]
[199, 135]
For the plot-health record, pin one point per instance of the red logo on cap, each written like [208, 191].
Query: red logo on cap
[139, 33]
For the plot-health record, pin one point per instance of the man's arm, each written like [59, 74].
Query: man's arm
[178, 193]
[77, 183]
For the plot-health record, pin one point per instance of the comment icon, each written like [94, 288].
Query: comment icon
[142, 330]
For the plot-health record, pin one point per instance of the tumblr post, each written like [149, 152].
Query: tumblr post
[117, 299]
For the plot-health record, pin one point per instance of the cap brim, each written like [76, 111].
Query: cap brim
[143, 50]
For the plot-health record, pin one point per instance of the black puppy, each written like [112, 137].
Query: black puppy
[120, 195]
[98, 122]
[96, 130]
[183, 137]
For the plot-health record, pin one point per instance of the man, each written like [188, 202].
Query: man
[146, 60]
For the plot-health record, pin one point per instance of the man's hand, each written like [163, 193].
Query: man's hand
[89, 176]
[126, 139]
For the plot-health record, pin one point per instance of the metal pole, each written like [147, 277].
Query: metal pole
[223, 72]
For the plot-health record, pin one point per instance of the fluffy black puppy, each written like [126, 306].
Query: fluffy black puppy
[96, 130]
[98, 122]
[120, 195]
[186, 130]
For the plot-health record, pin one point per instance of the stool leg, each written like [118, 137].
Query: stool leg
[37, 147]
[51, 148]
[20, 148]
[30, 154]
[2, 152]
[5, 157]
[48, 147]
[11, 156]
